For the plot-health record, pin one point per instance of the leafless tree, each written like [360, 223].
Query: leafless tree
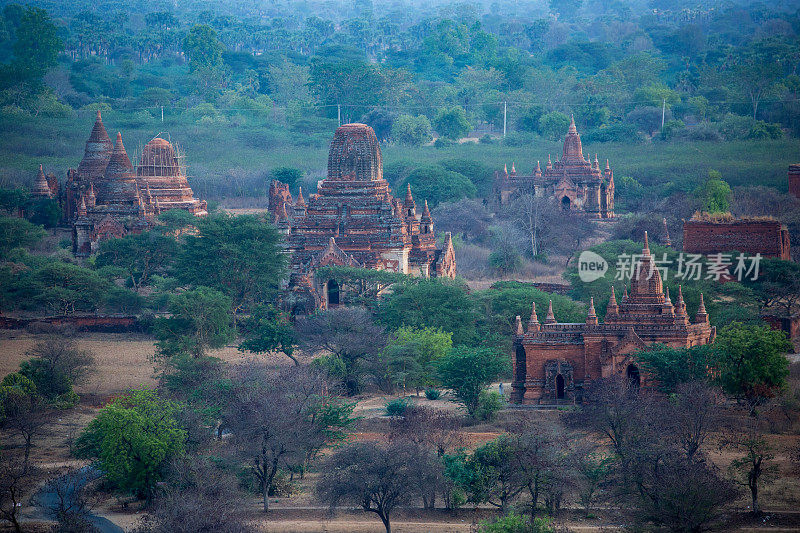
[529, 212]
[24, 417]
[378, 477]
[468, 218]
[197, 497]
[275, 417]
[348, 333]
[754, 468]
[63, 357]
[694, 415]
[429, 430]
[428, 426]
[15, 481]
[70, 505]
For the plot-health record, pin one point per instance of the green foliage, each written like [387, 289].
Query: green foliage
[411, 130]
[672, 366]
[54, 386]
[199, 319]
[133, 439]
[751, 360]
[287, 175]
[238, 256]
[397, 406]
[36, 47]
[489, 403]
[452, 123]
[267, 330]
[715, 193]
[15, 232]
[553, 125]
[514, 523]
[468, 371]
[432, 394]
[138, 255]
[45, 212]
[202, 47]
[435, 184]
[431, 304]
[412, 354]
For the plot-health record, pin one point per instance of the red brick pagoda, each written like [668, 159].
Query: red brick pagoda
[353, 220]
[106, 197]
[553, 363]
[577, 184]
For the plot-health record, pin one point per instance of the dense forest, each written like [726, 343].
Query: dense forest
[285, 73]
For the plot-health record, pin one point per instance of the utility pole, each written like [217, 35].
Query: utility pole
[663, 112]
[339, 113]
[505, 116]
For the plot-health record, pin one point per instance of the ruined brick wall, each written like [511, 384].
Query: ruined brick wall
[766, 237]
[794, 180]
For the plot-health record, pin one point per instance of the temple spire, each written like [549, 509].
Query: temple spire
[608, 167]
[667, 240]
[518, 330]
[646, 250]
[591, 318]
[505, 168]
[572, 128]
[300, 200]
[612, 309]
[82, 207]
[513, 168]
[538, 170]
[702, 315]
[550, 318]
[426, 213]
[680, 308]
[41, 187]
[549, 162]
[533, 323]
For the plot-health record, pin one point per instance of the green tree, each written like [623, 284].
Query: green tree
[468, 371]
[411, 130]
[432, 304]
[492, 476]
[37, 45]
[45, 212]
[133, 438]
[268, 330]
[413, 353]
[751, 361]
[238, 256]
[553, 125]
[199, 319]
[65, 288]
[16, 232]
[202, 47]
[672, 366]
[436, 185]
[138, 255]
[452, 123]
[288, 175]
[715, 193]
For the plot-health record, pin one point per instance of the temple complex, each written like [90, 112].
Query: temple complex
[577, 184]
[106, 197]
[353, 220]
[555, 362]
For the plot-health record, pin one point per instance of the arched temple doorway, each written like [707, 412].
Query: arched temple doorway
[565, 203]
[559, 387]
[634, 378]
[333, 293]
[521, 372]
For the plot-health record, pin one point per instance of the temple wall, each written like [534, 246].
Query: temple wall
[794, 180]
[766, 237]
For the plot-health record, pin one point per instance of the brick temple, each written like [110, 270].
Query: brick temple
[709, 234]
[555, 362]
[106, 197]
[353, 220]
[577, 184]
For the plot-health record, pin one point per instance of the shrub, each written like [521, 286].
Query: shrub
[514, 523]
[625, 133]
[433, 394]
[489, 403]
[412, 131]
[397, 407]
